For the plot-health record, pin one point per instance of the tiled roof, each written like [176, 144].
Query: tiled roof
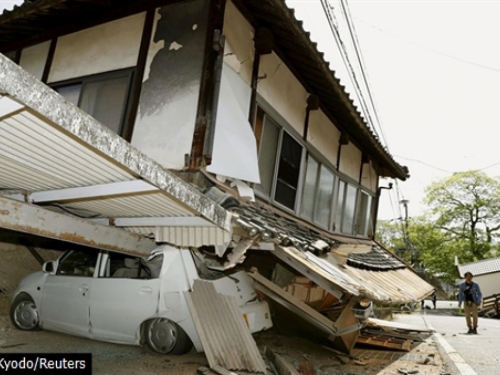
[480, 267]
[376, 260]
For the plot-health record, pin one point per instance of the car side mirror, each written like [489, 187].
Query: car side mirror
[49, 267]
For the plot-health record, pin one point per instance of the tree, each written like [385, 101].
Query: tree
[466, 207]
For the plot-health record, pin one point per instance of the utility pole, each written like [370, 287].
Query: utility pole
[408, 244]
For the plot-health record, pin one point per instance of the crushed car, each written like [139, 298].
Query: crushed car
[115, 297]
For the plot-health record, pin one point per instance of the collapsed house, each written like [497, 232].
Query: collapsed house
[211, 125]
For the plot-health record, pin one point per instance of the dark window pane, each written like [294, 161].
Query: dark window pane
[285, 194]
[11, 55]
[78, 263]
[105, 101]
[288, 171]
[70, 93]
[324, 198]
[267, 156]
[307, 204]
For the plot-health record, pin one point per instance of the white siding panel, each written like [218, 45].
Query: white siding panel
[282, 91]
[369, 177]
[110, 46]
[239, 47]
[350, 160]
[323, 135]
[33, 59]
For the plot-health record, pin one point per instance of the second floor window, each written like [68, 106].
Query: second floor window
[103, 96]
[280, 157]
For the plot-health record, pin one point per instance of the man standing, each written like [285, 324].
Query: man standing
[470, 294]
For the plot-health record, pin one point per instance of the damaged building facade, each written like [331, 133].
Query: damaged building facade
[213, 125]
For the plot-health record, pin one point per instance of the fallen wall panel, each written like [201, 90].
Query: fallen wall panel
[225, 336]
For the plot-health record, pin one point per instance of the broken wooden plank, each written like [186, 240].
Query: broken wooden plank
[222, 371]
[281, 365]
[392, 325]
[306, 368]
[303, 310]
[385, 342]
[399, 335]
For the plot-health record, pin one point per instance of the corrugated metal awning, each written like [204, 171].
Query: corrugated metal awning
[55, 155]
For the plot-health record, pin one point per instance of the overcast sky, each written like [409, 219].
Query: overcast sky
[434, 70]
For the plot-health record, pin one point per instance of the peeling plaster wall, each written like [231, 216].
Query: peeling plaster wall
[350, 161]
[369, 177]
[239, 47]
[323, 135]
[169, 98]
[282, 91]
[110, 46]
[33, 59]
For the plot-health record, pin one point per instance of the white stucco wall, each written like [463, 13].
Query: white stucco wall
[282, 91]
[323, 135]
[369, 177]
[350, 160]
[239, 46]
[110, 46]
[33, 59]
[489, 283]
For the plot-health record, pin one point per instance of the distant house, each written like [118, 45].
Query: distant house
[486, 273]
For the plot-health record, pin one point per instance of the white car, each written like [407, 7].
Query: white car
[118, 298]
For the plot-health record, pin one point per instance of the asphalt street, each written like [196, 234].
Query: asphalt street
[481, 352]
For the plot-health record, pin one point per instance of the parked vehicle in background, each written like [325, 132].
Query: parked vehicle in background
[119, 298]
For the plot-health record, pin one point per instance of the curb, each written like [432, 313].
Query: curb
[453, 360]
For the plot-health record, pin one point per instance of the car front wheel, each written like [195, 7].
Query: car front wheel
[24, 314]
[165, 337]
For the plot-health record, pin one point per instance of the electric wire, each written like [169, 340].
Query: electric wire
[364, 74]
[330, 16]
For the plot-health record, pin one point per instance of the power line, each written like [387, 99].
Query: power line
[332, 22]
[424, 163]
[359, 56]
[465, 61]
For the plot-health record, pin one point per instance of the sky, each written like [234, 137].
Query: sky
[434, 72]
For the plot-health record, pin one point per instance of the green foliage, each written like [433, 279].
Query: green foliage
[466, 206]
[463, 221]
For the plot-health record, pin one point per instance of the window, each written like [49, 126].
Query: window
[11, 55]
[349, 207]
[316, 204]
[103, 96]
[78, 263]
[288, 171]
[267, 155]
[123, 266]
[280, 157]
[309, 189]
[364, 214]
[325, 199]
[323, 208]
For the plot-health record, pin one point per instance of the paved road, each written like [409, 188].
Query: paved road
[481, 352]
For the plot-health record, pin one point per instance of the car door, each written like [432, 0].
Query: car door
[66, 295]
[123, 296]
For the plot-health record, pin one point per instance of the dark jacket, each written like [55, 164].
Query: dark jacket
[475, 290]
